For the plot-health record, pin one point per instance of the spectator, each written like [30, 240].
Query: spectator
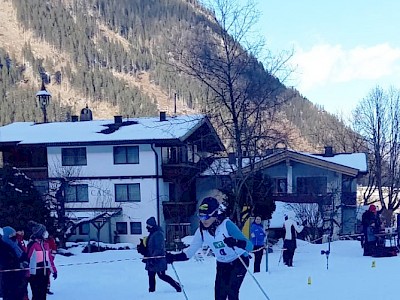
[155, 247]
[12, 258]
[22, 245]
[289, 244]
[258, 239]
[371, 225]
[41, 262]
[53, 251]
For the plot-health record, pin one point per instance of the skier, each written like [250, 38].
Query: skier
[289, 244]
[257, 238]
[154, 246]
[227, 243]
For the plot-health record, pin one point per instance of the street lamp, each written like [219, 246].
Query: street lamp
[43, 97]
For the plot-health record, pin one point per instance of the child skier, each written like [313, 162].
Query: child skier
[227, 243]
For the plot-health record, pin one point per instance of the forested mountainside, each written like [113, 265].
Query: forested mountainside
[111, 55]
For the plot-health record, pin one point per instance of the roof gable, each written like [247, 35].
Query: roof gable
[350, 164]
[347, 163]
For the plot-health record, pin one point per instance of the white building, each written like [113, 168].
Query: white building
[116, 174]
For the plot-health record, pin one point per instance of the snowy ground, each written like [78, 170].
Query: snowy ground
[121, 275]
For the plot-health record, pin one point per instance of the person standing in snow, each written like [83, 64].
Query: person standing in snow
[155, 246]
[289, 244]
[257, 238]
[41, 263]
[12, 257]
[371, 225]
[53, 248]
[22, 245]
[228, 244]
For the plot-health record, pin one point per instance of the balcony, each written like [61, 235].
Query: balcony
[35, 173]
[173, 171]
[178, 211]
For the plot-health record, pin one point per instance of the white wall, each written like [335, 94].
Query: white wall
[100, 163]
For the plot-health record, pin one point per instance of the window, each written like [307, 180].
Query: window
[127, 192]
[84, 229]
[122, 227]
[126, 155]
[136, 228]
[280, 185]
[311, 185]
[77, 193]
[73, 156]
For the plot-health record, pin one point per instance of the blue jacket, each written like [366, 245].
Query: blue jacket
[257, 234]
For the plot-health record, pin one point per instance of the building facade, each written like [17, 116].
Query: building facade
[113, 175]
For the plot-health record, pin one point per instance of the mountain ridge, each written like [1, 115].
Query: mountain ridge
[115, 69]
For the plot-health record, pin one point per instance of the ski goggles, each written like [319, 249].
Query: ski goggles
[205, 217]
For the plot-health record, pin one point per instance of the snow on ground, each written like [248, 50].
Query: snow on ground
[120, 274]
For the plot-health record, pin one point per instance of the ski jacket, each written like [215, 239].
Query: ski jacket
[290, 234]
[40, 258]
[222, 252]
[257, 234]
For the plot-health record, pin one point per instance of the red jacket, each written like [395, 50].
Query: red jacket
[40, 257]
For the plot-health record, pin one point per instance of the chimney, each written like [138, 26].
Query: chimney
[118, 119]
[163, 116]
[328, 151]
[74, 118]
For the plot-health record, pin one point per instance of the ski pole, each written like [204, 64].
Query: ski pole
[251, 274]
[254, 278]
[179, 280]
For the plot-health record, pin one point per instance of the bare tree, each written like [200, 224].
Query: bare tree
[243, 93]
[377, 119]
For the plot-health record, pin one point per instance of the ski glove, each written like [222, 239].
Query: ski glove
[170, 257]
[232, 242]
[55, 275]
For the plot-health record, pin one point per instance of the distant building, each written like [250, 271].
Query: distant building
[328, 180]
[117, 173]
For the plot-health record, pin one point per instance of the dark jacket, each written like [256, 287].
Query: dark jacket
[371, 225]
[12, 282]
[257, 234]
[155, 245]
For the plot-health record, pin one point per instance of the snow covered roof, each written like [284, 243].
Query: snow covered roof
[101, 131]
[355, 161]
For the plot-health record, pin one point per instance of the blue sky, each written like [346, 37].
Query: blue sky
[343, 49]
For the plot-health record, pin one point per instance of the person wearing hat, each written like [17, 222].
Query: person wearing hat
[153, 250]
[229, 245]
[41, 263]
[289, 244]
[12, 258]
[371, 224]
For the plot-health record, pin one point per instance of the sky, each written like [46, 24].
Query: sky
[342, 49]
[120, 274]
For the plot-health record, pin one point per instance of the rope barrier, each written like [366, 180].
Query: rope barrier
[83, 263]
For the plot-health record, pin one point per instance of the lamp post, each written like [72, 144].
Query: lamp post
[43, 97]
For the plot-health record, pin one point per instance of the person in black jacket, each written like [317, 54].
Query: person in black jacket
[12, 257]
[371, 224]
[154, 246]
